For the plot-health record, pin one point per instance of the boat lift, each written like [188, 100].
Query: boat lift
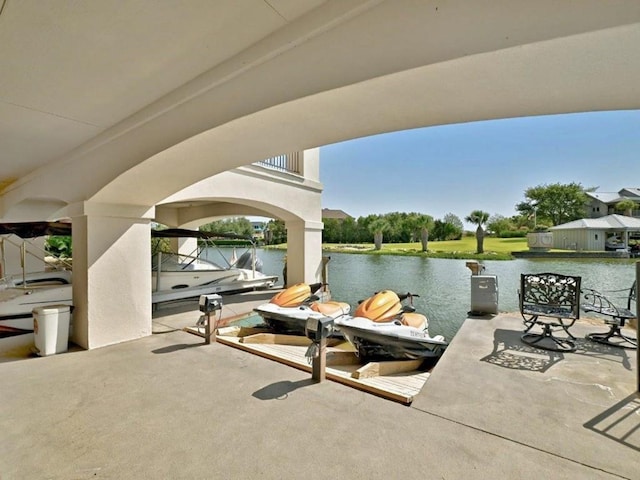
[209, 304]
[318, 330]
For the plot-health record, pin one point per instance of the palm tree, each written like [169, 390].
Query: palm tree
[627, 206]
[377, 227]
[478, 217]
[424, 223]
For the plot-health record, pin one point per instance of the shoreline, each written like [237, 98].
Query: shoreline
[573, 254]
[460, 255]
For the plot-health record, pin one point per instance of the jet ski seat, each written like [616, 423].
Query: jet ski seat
[416, 320]
[330, 309]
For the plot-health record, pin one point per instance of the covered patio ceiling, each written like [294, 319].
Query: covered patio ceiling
[99, 98]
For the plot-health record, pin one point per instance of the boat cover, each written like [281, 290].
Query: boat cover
[35, 229]
[40, 229]
[185, 233]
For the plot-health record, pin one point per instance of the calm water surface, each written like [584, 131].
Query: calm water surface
[444, 286]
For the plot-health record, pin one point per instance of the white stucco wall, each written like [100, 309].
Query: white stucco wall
[249, 190]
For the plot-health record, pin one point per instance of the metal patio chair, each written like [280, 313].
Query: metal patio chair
[614, 315]
[550, 301]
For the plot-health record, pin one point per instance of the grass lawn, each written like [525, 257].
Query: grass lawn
[494, 248]
[491, 244]
[465, 248]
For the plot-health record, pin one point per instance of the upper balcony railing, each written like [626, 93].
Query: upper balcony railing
[288, 162]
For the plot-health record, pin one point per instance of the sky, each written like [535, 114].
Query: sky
[480, 165]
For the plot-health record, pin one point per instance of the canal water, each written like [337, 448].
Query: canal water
[443, 285]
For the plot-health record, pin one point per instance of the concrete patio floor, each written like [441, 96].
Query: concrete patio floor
[168, 406]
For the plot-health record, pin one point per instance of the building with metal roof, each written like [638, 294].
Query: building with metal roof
[604, 203]
[611, 232]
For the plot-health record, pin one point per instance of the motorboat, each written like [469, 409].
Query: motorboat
[174, 276]
[615, 244]
[287, 311]
[21, 293]
[383, 329]
[177, 276]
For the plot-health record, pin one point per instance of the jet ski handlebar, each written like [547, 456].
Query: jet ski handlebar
[314, 287]
[409, 295]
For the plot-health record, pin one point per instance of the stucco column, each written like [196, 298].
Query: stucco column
[304, 251]
[311, 164]
[111, 273]
[187, 246]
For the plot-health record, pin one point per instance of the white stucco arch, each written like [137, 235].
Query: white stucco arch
[210, 210]
[536, 79]
[331, 71]
[353, 69]
[245, 190]
[295, 199]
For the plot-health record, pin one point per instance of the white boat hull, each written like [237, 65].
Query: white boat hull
[16, 311]
[182, 277]
[192, 291]
[390, 340]
[49, 288]
[293, 320]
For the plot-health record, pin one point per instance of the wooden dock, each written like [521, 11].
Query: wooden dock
[399, 381]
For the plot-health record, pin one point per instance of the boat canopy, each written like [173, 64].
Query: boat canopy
[184, 233]
[35, 229]
[40, 229]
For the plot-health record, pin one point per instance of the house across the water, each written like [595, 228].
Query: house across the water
[607, 233]
[604, 203]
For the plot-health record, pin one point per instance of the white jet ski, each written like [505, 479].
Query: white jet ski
[382, 329]
[287, 312]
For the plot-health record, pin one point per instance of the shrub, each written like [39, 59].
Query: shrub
[513, 234]
[58, 246]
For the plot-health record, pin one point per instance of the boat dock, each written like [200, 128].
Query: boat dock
[491, 408]
[397, 381]
[401, 382]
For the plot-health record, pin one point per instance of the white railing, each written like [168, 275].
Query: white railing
[288, 162]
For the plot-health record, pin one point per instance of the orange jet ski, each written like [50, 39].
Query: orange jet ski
[383, 329]
[288, 311]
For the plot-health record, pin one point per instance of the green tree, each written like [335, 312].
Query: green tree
[479, 218]
[522, 222]
[410, 227]
[396, 230]
[440, 230]
[237, 225]
[363, 232]
[407, 229]
[332, 232]
[455, 222]
[498, 224]
[555, 204]
[627, 206]
[377, 227]
[349, 230]
[449, 228]
[275, 232]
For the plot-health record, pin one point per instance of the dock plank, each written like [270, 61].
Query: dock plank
[399, 387]
[377, 369]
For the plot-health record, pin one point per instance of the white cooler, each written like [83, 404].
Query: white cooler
[51, 329]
